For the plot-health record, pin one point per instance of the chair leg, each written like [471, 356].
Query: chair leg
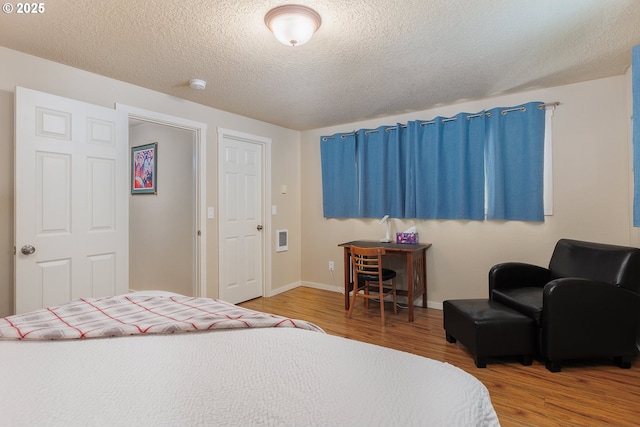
[395, 298]
[381, 298]
[353, 298]
[623, 362]
[365, 289]
[527, 359]
[481, 362]
[366, 292]
[553, 366]
[450, 338]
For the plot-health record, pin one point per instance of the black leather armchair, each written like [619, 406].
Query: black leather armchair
[586, 304]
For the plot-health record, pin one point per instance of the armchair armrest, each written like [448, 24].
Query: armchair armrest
[582, 316]
[573, 297]
[517, 275]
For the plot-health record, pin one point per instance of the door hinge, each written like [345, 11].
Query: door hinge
[14, 250]
[199, 233]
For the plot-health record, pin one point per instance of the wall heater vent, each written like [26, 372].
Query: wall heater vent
[282, 240]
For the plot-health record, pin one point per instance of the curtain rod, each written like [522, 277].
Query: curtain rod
[446, 119]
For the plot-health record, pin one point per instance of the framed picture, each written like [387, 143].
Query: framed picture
[144, 169]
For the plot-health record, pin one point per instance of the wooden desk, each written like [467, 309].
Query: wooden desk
[416, 269]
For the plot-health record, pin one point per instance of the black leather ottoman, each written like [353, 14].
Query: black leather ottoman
[489, 329]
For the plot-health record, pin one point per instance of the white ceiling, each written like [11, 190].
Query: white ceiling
[370, 58]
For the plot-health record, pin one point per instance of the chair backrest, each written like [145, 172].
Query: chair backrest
[618, 265]
[367, 261]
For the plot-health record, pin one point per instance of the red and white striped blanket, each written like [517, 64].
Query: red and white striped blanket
[133, 315]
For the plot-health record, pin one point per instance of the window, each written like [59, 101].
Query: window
[463, 167]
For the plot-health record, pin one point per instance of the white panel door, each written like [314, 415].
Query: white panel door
[241, 220]
[71, 201]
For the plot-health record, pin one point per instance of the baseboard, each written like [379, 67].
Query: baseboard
[291, 286]
[324, 287]
[282, 289]
[340, 289]
[434, 305]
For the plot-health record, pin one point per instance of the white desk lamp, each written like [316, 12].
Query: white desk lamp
[385, 220]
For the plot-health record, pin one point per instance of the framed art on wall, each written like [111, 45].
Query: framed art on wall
[144, 169]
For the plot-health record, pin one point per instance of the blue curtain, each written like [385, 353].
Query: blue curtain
[339, 182]
[515, 163]
[381, 168]
[635, 82]
[440, 169]
[449, 165]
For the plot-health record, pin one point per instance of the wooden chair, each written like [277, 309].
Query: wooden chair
[367, 270]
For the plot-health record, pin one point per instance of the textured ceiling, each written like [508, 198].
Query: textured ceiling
[369, 58]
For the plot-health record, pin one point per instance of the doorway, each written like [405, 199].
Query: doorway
[162, 231]
[168, 230]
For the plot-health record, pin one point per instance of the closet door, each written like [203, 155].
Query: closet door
[241, 220]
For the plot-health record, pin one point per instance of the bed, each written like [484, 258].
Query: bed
[92, 362]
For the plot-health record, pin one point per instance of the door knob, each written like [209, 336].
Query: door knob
[27, 249]
[259, 227]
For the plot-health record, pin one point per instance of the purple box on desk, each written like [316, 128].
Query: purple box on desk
[410, 238]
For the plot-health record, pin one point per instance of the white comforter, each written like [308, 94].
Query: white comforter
[270, 377]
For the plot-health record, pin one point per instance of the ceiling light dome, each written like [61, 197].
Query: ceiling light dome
[293, 25]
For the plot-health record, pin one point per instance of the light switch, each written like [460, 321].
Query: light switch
[283, 189]
[274, 209]
[210, 213]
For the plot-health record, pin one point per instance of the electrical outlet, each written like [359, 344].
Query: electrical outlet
[331, 266]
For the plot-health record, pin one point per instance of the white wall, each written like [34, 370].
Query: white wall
[591, 195]
[19, 69]
[6, 203]
[162, 226]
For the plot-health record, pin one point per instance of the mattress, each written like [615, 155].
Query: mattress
[282, 376]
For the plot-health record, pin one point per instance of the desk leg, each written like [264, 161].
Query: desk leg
[423, 274]
[347, 277]
[416, 279]
[410, 285]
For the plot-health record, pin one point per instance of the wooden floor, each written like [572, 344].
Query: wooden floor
[592, 393]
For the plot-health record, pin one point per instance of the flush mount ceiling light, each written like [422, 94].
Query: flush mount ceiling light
[293, 25]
